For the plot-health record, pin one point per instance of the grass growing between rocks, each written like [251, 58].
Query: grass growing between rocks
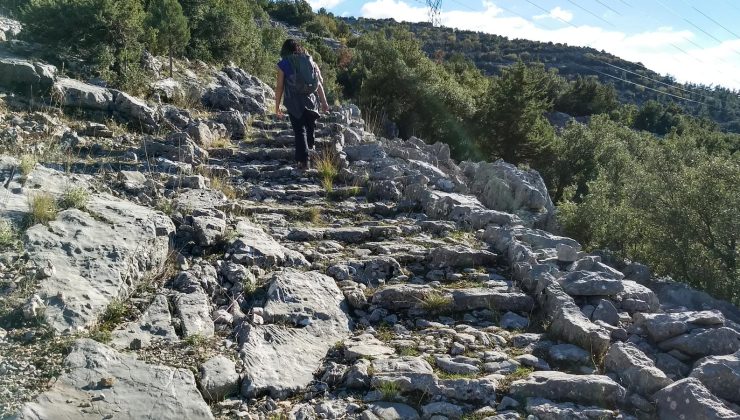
[27, 164]
[42, 209]
[222, 184]
[390, 391]
[327, 164]
[520, 373]
[384, 333]
[437, 303]
[9, 238]
[74, 198]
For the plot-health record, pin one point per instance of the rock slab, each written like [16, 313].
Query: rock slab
[103, 383]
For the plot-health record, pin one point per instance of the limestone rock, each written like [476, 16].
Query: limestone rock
[721, 375]
[365, 346]
[111, 254]
[75, 94]
[459, 256]
[545, 409]
[689, 399]
[558, 386]
[26, 77]
[393, 411]
[194, 310]
[636, 371]
[218, 378]
[308, 317]
[586, 283]
[133, 389]
[705, 342]
[489, 298]
[254, 246]
[156, 323]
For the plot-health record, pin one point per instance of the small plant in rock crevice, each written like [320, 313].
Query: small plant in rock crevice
[42, 209]
[27, 164]
[8, 235]
[436, 303]
[74, 198]
[389, 390]
[327, 164]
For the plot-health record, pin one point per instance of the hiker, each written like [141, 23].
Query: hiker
[300, 79]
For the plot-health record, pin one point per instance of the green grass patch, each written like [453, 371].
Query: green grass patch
[42, 209]
[390, 390]
[436, 303]
[74, 198]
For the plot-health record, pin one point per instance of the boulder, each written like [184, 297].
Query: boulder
[545, 409]
[72, 93]
[606, 312]
[306, 316]
[568, 355]
[460, 256]
[490, 298]
[26, 77]
[255, 247]
[130, 388]
[636, 298]
[689, 399]
[663, 326]
[365, 346]
[234, 89]
[636, 371]
[218, 378]
[586, 283]
[155, 324]
[194, 310]
[569, 324]
[502, 186]
[401, 296]
[407, 372]
[596, 390]
[721, 375]
[704, 342]
[111, 253]
[393, 411]
[135, 112]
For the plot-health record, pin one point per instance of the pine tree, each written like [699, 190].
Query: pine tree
[168, 26]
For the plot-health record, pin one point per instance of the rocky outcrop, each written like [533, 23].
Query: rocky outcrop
[690, 399]
[305, 316]
[25, 77]
[104, 383]
[236, 90]
[558, 386]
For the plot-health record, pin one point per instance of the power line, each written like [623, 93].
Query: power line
[647, 87]
[716, 23]
[608, 7]
[654, 80]
[590, 13]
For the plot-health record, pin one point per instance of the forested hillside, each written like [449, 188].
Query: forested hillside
[493, 53]
[650, 180]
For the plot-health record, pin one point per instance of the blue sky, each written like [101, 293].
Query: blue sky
[693, 41]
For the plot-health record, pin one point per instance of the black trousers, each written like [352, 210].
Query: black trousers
[303, 128]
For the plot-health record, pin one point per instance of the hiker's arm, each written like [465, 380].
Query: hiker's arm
[322, 98]
[279, 91]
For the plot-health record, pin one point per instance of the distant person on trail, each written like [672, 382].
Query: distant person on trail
[300, 79]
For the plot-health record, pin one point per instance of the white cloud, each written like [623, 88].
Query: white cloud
[328, 4]
[656, 49]
[558, 14]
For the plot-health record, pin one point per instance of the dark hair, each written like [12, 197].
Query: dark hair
[291, 46]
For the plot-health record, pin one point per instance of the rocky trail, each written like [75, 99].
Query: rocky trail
[189, 270]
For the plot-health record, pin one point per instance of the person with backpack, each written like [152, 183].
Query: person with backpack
[299, 78]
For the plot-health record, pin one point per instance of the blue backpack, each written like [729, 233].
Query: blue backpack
[305, 79]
